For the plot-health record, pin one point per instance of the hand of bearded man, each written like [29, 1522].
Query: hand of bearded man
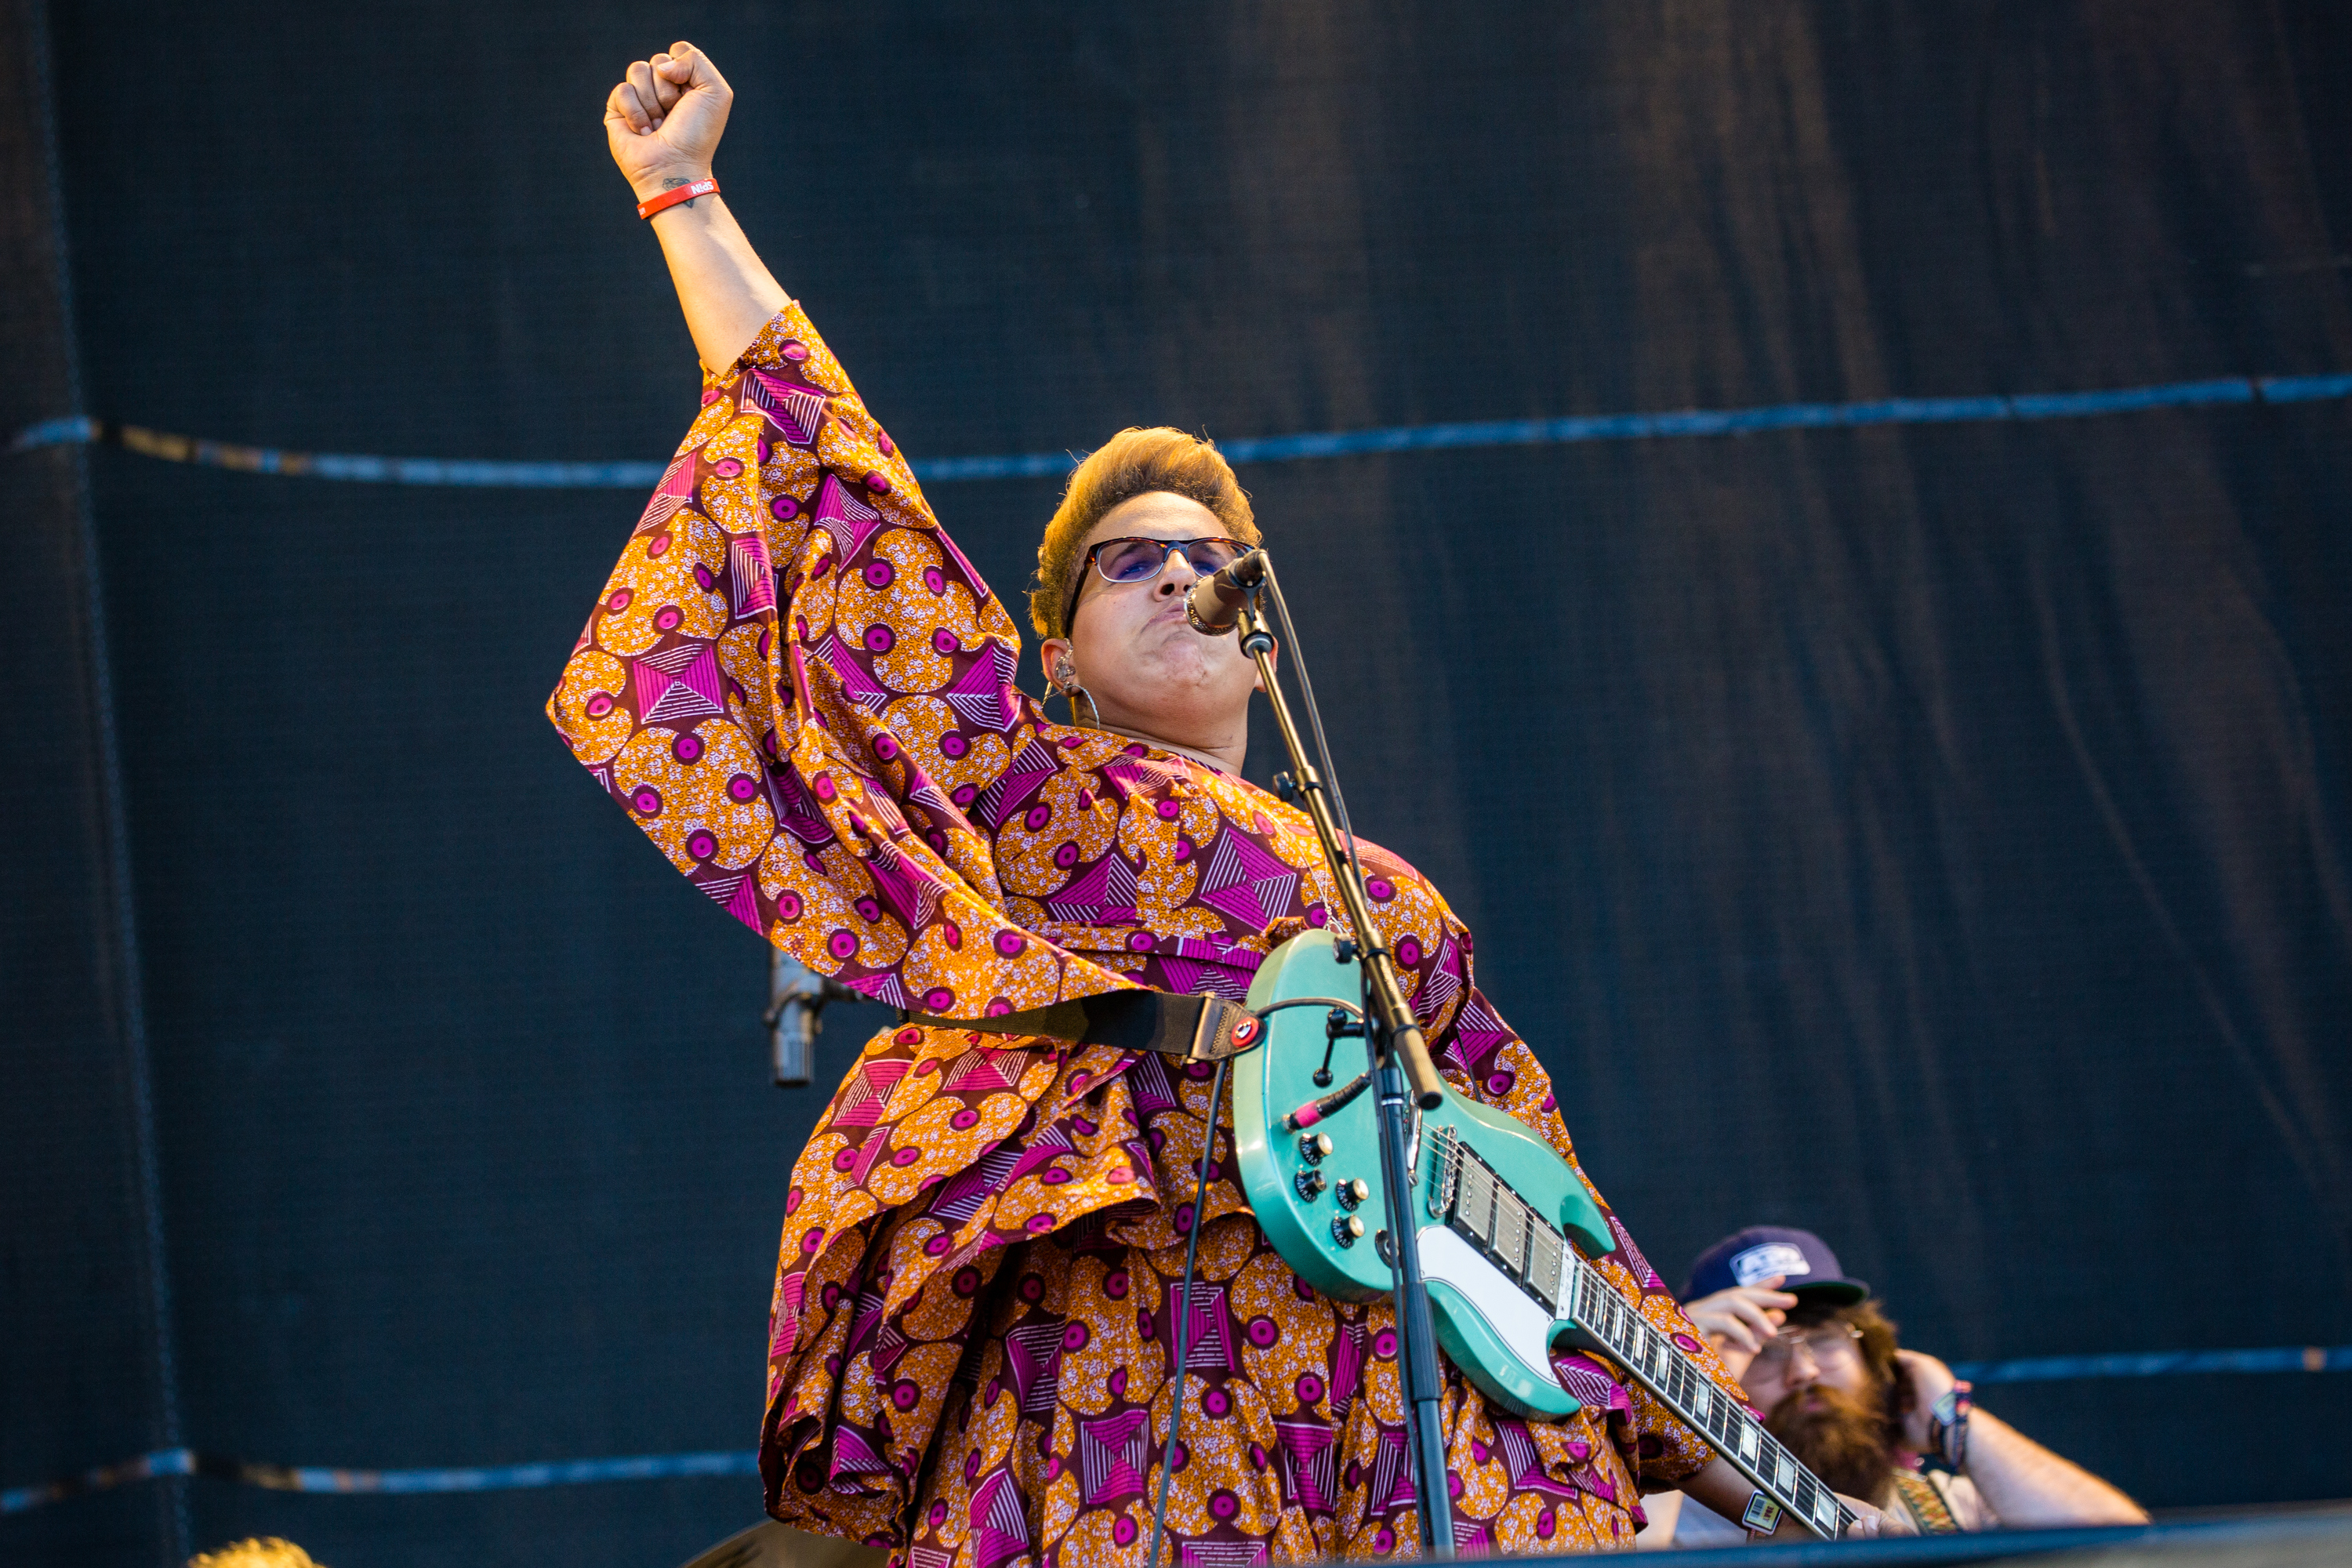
[1740, 1320]
[1872, 1522]
[1925, 1380]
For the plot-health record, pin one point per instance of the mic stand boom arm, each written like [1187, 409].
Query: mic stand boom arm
[1389, 1009]
[1398, 1052]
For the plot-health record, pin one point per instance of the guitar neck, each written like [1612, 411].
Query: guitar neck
[1609, 1323]
[1465, 1194]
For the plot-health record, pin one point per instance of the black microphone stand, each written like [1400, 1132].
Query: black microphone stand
[1393, 1042]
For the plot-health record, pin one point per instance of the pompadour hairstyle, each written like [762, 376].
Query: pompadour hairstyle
[1130, 464]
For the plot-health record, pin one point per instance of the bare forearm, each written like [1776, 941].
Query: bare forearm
[725, 290]
[2026, 1484]
[663, 123]
[1725, 1491]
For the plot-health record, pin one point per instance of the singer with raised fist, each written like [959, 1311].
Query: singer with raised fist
[798, 687]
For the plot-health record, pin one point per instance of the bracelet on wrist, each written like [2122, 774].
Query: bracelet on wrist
[1948, 1424]
[1762, 1515]
[684, 192]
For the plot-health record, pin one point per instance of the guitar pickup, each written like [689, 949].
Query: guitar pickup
[1511, 1238]
[1546, 1255]
[1473, 1204]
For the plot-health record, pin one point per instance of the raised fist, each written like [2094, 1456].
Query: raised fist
[664, 118]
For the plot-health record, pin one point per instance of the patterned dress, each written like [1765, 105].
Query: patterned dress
[799, 688]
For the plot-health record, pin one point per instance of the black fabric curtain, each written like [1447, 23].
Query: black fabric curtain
[1933, 835]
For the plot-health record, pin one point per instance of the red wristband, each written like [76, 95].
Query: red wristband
[686, 192]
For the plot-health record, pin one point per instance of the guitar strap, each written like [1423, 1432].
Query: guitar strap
[1925, 1502]
[1191, 1028]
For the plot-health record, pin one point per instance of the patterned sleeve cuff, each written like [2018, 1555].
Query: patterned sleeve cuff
[766, 349]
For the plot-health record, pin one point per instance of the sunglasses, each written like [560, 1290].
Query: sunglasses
[1139, 559]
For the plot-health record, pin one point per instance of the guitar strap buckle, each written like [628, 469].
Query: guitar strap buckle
[1225, 1029]
[1191, 1028]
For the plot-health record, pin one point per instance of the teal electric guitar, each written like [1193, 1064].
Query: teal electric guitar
[1505, 1228]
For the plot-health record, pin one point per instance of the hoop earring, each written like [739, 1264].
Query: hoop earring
[1065, 682]
[1070, 695]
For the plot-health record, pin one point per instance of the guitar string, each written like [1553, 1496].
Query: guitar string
[1452, 1162]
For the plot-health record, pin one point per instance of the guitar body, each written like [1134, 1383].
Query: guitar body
[1504, 1229]
[1491, 1327]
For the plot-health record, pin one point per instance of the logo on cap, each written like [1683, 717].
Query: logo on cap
[1770, 1258]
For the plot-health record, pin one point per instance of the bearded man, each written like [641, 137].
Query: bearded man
[1874, 1420]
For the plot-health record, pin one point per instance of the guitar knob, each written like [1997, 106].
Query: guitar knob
[1346, 1229]
[1310, 1184]
[1314, 1146]
[1353, 1193]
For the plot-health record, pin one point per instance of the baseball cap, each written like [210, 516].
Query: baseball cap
[1811, 1269]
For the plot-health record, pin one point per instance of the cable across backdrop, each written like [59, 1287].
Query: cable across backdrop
[1931, 833]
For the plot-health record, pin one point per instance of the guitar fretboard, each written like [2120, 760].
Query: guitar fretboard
[1663, 1367]
[1467, 1195]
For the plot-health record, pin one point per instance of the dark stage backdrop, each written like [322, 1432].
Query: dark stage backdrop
[1933, 836]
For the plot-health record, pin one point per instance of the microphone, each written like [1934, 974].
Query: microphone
[1214, 604]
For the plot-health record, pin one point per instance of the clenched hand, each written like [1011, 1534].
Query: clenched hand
[665, 118]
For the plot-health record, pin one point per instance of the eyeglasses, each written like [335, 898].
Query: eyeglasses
[1828, 1345]
[1135, 558]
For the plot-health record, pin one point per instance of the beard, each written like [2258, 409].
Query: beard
[1841, 1439]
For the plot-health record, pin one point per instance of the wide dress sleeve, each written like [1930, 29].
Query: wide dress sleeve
[802, 692]
[797, 685]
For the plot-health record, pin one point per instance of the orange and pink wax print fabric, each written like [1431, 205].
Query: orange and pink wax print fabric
[802, 692]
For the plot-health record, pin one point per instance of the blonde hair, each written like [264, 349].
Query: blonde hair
[1130, 464]
[274, 1552]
